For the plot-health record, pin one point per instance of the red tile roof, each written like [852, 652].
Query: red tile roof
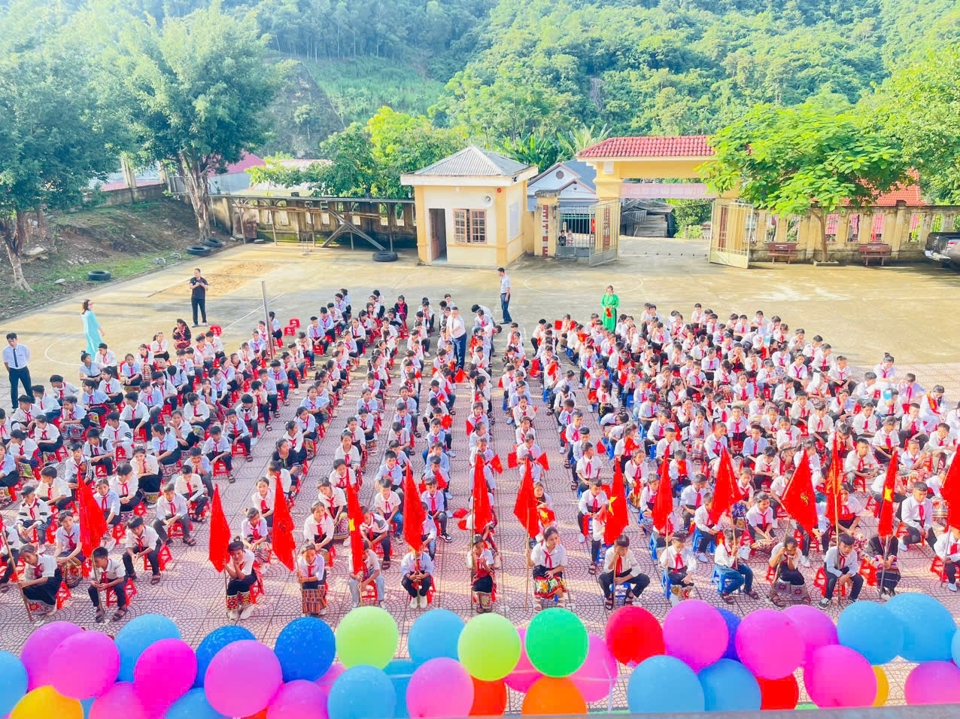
[909, 195]
[625, 147]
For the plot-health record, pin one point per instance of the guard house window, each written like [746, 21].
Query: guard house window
[470, 226]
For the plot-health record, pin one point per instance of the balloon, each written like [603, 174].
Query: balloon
[933, 683]
[434, 634]
[596, 678]
[779, 693]
[38, 648]
[367, 635]
[815, 628]
[664, 685]
[883, 687]
[557, 643]
[928, 627]
[858, 687]
[164, 673]
[305, 648]
[423, 697]
[46, 703]
[729, 687]
[362, 692]
[633, 634]
[732, 622]
[551, 696]
[326, 681]
[695, 633]
[767, 628]
[93, 674]
[192, 705]
[119, 702]
[13, 682]
[213, 643]
[138, 634]
[523, 675]
[489, 698]
[872, 630]
[242, 678]
[400, 672]
[489, 647]
[955, 648]
[299, 699]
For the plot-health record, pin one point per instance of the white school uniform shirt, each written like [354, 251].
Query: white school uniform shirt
[756, 518]
[408, 563]
[200, 413]
[190, 486]
[628, 563]
[124, 489]
[112, 572]
[46, 567]
[702, 519]
[886, 440]
[54, 491]
[918, 515]
[147, 541]
[385, 507]
[257, 531]
[947, 547]
[68, 541]
[672, 560]
[215, 447]
[312, 528]
[38, 510]
[314, 570]
[246, 565]
[174, 508]
[834, 562]
[590, 504]
[589, 468]
[541, 557]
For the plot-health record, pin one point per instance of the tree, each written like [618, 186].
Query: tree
[813, 158]
[534, 149]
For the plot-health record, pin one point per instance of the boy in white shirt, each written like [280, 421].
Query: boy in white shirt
[107, 574]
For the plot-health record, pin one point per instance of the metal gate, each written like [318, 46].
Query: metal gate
[605, 226]
[733, 230]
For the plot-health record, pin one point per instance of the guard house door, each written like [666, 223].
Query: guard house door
[438, 234]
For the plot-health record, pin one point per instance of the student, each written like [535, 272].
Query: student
[884, 551]
[172, 509]
[141, 541]
[9, 472]
[107, 574]
[762, 522]
[416, 571]
[842, 564]
[917, 514]
[189, 486]
[548, 559]
[67, 548]
[41, 579]
[238, 432]
[480, 562]
[53, 490]
[679, 563]
[620, 567]
[388, 505]
[369, 574]
[376, 531]
[109, 504]
[436, 504]
[709, 533]
[733, 573]
[256, 535]
[33, 517]
[9, 554]
[242, 577]
[146, 470]
[312, 577]
[46, 436]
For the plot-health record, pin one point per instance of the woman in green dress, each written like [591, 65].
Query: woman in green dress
[92, 331]
[610, 302]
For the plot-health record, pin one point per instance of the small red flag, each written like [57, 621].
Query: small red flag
[354, 520]
[460, 376]
[93, 525]
[799, 499]
[885, 525]
[284, 545]
[617, 519]
[544, 462]
[446, 421]
[512, 462]
[950, 491]
[833, 484]
[219, 533]
[725, 489]
[482, 516]
[525, 508]
[663, 502]
[496, 465]
[413, 514]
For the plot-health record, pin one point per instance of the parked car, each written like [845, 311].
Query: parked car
[944, 247]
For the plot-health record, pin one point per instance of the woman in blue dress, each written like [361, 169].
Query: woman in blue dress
[91, 328]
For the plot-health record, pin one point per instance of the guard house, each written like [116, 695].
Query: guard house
[470, 209]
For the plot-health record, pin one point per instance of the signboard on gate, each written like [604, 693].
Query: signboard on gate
[545, 231]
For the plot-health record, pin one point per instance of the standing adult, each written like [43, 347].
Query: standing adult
[505, 294]
[457, 332]
[198, 296]
[92, 330]
[610, 303]
[16, 357]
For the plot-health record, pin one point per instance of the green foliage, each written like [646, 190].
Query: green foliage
[689, 215]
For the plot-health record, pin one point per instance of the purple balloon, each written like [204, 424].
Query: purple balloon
[38, 648]
[761, 630]
[299, 699]
[815, 627]
[695, 633]
[597, 675]
[456, 697]
[523, 675]
[326, 681]
[84, 665]
[733, 622]
[119, 702]
[243, 678]
[933, 683]
[838, 676]
[164, 673]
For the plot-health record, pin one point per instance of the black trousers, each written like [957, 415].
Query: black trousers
[832, 580]
[483, 585]
[21, 375]
[199, 304]
[153, 558]
[411, 589]
[117, 589]
[241, 586]
[634, 585]
[45, 592]
[914, 537]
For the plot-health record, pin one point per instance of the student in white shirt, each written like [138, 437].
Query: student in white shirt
[948, 549]
[548, 560]
[107, 575]
[762, 521]
[190, 487]
[41, 579]
[917, 513]
[369, 574]
[620, 567]
[842, 563]
[141, 542]
[172, 509]
[734, 573]
[242, 577]
[416, 572]
[679, 564]
[312, 577]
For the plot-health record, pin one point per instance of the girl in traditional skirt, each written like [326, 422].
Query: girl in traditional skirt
[256, 535]
[788, 583]
[312, 575]
[480, 561]
[548, 560]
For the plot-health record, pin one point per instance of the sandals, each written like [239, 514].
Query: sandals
[574, 485]
[727, 598]
[101, 617]
[119, 614]
[566, 465]
[155, 579]
[608, 604]
[190, 542]
[592, 571]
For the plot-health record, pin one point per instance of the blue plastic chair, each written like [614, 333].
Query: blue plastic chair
[666, 584]
[697, 536]
[653, 547]
[719, 580]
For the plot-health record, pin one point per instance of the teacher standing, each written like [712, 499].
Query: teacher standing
[198, 296]
[610, 303]
[16, 357]
[91, 327]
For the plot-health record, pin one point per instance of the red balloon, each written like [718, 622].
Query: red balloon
[779, 693]
[489, 698]
[633, 634]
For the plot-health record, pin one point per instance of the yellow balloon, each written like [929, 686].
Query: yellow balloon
[883, 687]
[45, 703]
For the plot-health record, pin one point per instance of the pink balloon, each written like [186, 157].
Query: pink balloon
[838, 676]
[164, 673]
[84, 665]
[695, 633]
[523, 675]
[815, 627]
[119, 702]
[326, 681]
[933, 683]
[38, 648]
[299, 699]
[598, 674]
[440, 688]
[243, 678]
[769, 644]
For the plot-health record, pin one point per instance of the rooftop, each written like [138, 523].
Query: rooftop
[473, 162]
[630, 147]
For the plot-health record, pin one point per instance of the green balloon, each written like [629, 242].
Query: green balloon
[489, 647]
[367, 635]
[557, 642]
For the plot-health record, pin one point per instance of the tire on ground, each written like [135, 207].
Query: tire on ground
[198, 250]
[385, 256]
[213, 242]
[98, 276]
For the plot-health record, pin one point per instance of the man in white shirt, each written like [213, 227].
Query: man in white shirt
[107, 575]
[504, 294]
[620, 567]
[842, 564]
[457, 333]
[15, 358]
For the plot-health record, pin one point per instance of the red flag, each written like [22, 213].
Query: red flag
[725, 490]
[544, 462]
[496, 465]
[219, 533]
[950, 491]
[617, 519]
[799, 500]
[284, 545]
[446, 421]
[525, 508]
[512, 460]
[833, 484]
[354, 520]
[885, 525]
[93, 525]
[413, 514]
[663, 503]
[482, 515]
[460, 376]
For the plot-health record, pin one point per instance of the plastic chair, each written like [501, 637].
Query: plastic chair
[129, 589]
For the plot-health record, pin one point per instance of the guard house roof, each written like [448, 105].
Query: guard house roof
[471, 165]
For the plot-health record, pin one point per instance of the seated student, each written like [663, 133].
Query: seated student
[242, 577]
[107, 574]
[388, 505]
[761, 522]
[9, 471]
[842, 564]
[734, 573]
[370, 574]
[33, 516]
[620, 566]
[67, 540]
[9, 555]
[41, 579]
[436, 504]
[708, 532]
[24, 450]
[849, 516]
[416, 576]
[548, 560]
[318, 528]
[172, 509]
[948, 549]
[788, 581]
[592, 503]
[264, 499]
[146, 470]
[335, 500]
[46, 436]
[312, 577]
[883, 551]
[190, 487]
[376, 531]
[53, 490]
[217, 448]
[141, 541]
[679, 563]
[480, 562]
[917, 514]
[165, 447]
[109, 504]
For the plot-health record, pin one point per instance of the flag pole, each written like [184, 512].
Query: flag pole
[16, 579]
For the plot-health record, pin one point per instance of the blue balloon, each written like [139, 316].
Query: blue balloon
[928, 627]
[306, 648]
[728, 686]
[400, 671]
[137, 635]
[435, 634]
[664, 685]
[213, 643]
[362, 692]
[193, 705]
[872, 630]
[733, 621]
[86, 704]
[13, 682]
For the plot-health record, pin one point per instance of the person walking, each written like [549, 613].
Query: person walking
[16, 357]
[505, 295]
[198, 296]
[92, 330]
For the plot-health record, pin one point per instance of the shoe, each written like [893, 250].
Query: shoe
[702, 557]
[804, 561]
[824, 603]
[423, 602]
[245, 614]
[356, 604]
[952, 587]
[451, 454]
[581, 539]
[447, 538]
[674, 599]
[414, 602]
[232, 614]
[449, 514]
[110, 544]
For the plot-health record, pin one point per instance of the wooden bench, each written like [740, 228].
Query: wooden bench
[874, 250]
[784, 250]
